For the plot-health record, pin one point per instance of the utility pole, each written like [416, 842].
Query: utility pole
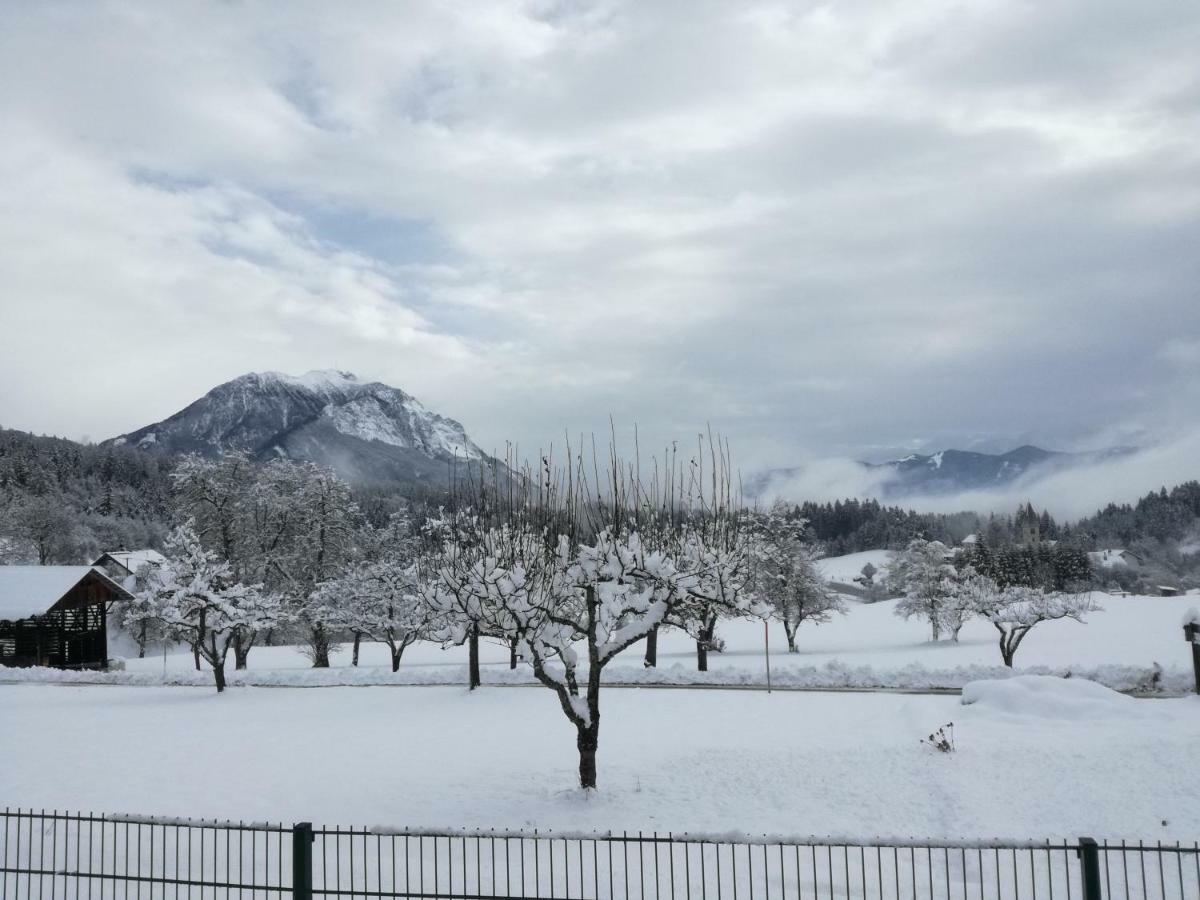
[767, 651]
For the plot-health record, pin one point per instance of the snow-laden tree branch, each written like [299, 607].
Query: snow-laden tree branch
[195, 598]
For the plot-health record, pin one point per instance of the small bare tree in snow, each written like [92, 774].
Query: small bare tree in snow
[139, 616]
[1018, 609]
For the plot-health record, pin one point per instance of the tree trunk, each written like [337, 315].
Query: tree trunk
[651, 660]
[1006, 652]
[473, 658]
[790, 631]
[196, 655]
[397, 652]
[141, 641]
[357, 644]
[588, 740]
[320, 648]
[241, 652]
[219, 677]
[512, 653]
[702, 649]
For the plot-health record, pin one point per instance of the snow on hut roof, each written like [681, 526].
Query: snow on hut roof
[31, 590]
[133, 559]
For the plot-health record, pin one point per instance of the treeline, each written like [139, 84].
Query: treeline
[850, 526]
[63, 502]
[1161, 516]
[1051, 567]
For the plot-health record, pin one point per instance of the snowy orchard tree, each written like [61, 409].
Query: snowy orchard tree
[308, 527]
[922, 574]
[381, 602]
[575, 575]
[1015, 610]
[719, 556]
[212, 494]
[456, 543]
[785, 576]
[198, 602]
[138, 616]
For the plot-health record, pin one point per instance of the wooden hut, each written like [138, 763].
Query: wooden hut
[56, 616]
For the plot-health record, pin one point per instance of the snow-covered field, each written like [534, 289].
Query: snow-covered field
[1034, 759]
[868, 647]
[846, 568]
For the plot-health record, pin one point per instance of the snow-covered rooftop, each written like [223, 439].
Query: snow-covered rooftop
[133, 559]
[31, 590]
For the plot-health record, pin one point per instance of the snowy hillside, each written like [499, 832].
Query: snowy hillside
[845, 569]
[367, 431]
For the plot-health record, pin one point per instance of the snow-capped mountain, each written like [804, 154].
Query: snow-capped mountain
[368, 432]
[952, 471]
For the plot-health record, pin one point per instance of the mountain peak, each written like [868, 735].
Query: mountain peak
[368, 432]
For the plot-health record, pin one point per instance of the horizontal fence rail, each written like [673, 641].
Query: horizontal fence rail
[68, 855]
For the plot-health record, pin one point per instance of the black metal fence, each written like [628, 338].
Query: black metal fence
[52, 855]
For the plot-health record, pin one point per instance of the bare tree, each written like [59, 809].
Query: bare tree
[1018, 609]
[785, 576]
[925, 577]
[575, 567]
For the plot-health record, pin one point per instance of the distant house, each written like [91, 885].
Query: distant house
[1167, 590]
[120, 564]
[56, 616]
[970, 540]
[1114, 558]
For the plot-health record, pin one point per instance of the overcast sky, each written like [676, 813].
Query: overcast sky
[826, 229]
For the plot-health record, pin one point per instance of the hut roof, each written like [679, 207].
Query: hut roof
[133, 559]
[31, 590]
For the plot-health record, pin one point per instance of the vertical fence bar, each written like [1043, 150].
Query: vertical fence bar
[302, 870]
[1089, 868]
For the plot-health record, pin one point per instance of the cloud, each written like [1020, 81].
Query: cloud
[1068, 494]
[816, 227]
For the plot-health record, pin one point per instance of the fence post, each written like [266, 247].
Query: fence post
[1089, 865]
[302, 841]
[1191, 634]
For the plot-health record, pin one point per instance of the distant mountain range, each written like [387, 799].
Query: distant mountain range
[956, 471]
[368, 432]
[374, 434]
